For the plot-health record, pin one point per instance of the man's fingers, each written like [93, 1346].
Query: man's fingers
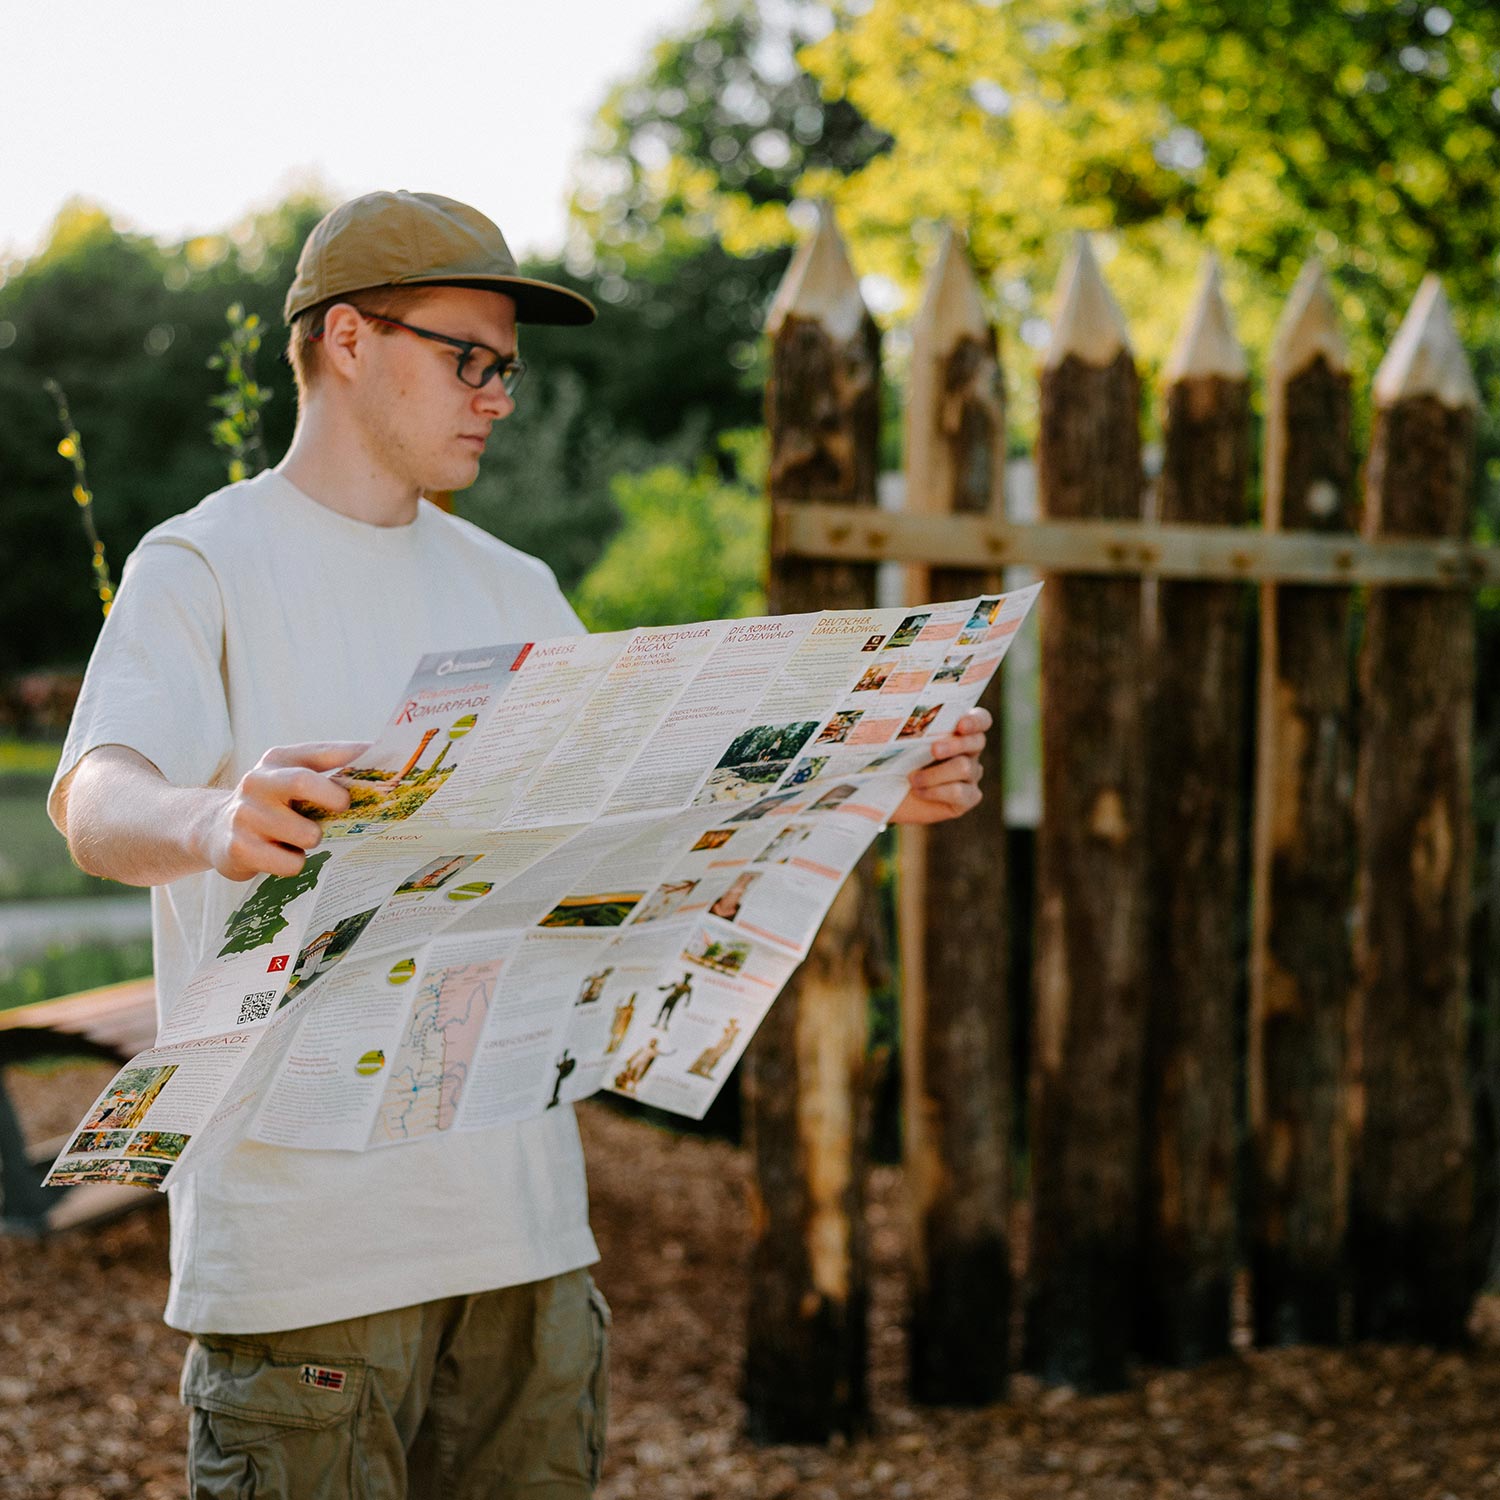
[297, 785]
[960, 794]
[249, 855]
[261, 814]
[277, 859]
[283, 826]
[262, 829]
[319, 755]
[944, 772]
[948, 786]
[946, 801]
[964, 744]
[967, 735]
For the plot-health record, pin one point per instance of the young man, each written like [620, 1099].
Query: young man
[417, 1322]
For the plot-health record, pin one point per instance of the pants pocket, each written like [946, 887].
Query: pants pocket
[271, 1423]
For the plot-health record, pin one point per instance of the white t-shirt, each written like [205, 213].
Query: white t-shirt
[262, 618]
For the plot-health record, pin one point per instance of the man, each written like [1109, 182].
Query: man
[416, 1322]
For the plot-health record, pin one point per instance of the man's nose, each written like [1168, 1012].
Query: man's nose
[493, 401]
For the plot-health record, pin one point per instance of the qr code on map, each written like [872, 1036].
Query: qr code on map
[256, 1007]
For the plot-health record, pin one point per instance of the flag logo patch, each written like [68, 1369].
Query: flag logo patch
[323, 1378]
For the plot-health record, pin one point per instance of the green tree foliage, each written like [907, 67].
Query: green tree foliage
[1375, 124]
[722, 112]
[720, 120]
[692, 546]
[676, 344]
[1267, 130]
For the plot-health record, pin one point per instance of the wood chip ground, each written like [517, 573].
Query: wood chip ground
[88, 1375]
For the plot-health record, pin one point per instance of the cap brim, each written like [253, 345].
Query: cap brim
[536, 301]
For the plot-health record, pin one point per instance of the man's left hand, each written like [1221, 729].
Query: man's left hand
[948, 787]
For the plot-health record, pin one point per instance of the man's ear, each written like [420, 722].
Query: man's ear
[343, 332]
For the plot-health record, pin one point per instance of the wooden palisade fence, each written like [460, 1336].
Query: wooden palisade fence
[1412, 1241]
[1358, 1211]
[806, 1103]
[1089, 1034]
[955, 1023]
[1301, 966]
[1196, 719]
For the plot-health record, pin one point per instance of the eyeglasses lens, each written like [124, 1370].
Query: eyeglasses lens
[478, 366]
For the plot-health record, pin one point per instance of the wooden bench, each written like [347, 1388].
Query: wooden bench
[111, 1024]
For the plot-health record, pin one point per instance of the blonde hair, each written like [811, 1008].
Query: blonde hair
[302, 347]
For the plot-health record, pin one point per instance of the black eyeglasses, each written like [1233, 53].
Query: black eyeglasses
[478, 364]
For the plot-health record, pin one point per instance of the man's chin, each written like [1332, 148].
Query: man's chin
[455, 476]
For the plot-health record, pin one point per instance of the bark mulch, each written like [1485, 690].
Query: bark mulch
[88, 1375]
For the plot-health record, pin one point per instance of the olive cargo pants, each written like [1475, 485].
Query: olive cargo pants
[487, 1397]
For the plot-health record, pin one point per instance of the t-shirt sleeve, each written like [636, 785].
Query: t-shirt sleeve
[549, 607]
[155, 682]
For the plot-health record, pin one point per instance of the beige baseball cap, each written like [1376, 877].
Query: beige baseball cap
[420, 239]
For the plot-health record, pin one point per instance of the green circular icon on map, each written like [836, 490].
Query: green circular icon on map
[401, 972]
[372, 1062]
[471, 891]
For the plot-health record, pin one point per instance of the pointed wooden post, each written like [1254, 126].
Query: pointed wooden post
[955, 1020]
[1301, 962]
[1090, 1032]
[1412, 1242]
[806, 1110]
[1196, 729]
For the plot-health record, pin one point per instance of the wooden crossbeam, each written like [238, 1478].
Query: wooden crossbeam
[1136, 548]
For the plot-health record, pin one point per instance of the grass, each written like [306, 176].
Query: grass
[34, 862]
[34, 865]
[62, 971]
[28, 757]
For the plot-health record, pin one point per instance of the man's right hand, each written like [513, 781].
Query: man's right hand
[258, 830]
[125, 821]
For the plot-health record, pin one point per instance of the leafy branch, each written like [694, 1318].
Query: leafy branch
[238, 432]
[71, 448]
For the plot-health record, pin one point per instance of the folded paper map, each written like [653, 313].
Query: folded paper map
[572, 864]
